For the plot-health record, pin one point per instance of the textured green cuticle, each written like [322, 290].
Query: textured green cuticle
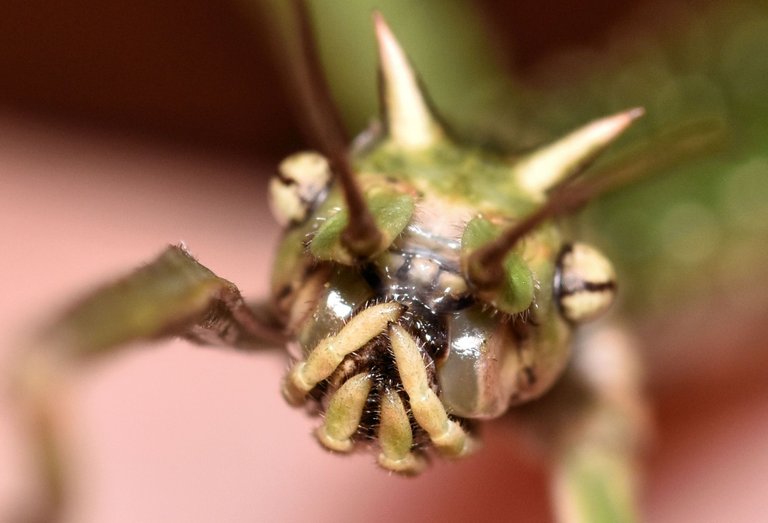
[478, 232]
[452, 171]
[391, 211]
[516, 293]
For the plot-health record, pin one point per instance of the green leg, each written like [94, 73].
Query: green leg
[172, 296]
[593, 425]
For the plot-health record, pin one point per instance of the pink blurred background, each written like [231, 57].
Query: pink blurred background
[123, 130]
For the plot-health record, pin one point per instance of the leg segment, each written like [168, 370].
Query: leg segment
[593, 425]
[596, 472]
[172, 296]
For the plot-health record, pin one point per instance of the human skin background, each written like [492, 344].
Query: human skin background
[172, 432]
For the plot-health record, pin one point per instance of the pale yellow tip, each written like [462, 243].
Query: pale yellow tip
[407, 116]
[550, 165]
[609, 128]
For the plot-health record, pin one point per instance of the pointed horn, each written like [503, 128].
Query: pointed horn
[550, 165]
[407, 116]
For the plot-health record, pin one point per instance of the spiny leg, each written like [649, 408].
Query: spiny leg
[172, 296]
[429, 412]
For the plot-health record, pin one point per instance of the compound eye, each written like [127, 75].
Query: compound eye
[301, 179]
[585, 283]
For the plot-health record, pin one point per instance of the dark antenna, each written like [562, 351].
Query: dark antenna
[679, 146]
[361, 235]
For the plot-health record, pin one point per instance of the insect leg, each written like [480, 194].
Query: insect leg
[172, 296]
[593, 425]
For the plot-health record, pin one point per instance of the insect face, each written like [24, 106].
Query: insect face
[450, 317]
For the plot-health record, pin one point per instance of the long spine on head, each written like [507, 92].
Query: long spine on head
[361, 235]
[546, 169]
[569, 156]
[407, 117]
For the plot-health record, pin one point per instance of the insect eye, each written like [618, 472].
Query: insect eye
[301, 178]
[585, 283]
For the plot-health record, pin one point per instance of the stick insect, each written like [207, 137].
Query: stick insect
[290, 215]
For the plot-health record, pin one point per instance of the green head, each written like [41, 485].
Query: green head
[462, 273]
